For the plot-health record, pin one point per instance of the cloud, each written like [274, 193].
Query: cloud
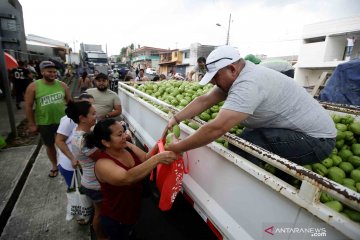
[269, 27]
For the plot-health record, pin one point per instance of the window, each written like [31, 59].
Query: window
[8, 24]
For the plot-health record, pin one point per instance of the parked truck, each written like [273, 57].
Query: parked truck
[239, 200]
[93, 57]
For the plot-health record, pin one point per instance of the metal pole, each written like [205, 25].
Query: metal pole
[228, 32]
[4, 78]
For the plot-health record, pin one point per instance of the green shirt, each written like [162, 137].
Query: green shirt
[50, 102]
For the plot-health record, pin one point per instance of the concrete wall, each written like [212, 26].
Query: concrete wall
[335, 48]
[324, 46]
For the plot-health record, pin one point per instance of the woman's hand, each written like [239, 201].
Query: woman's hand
[166, 157]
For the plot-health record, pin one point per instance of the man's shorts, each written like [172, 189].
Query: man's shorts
[48, 133]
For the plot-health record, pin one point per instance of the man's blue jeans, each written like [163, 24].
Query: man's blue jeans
[294, 146]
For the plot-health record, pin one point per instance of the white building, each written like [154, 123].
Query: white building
[323, 48]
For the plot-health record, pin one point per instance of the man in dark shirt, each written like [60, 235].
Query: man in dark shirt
[21, 78]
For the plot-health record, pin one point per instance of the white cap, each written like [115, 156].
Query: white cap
[217, 59]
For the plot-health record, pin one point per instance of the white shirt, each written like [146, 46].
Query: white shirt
[66, 128]
[350, 42]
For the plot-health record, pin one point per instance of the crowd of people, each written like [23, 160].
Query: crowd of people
[112, 167]
[88, 132]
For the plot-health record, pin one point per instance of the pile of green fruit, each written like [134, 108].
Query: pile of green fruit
[343, 165]
[181, 93]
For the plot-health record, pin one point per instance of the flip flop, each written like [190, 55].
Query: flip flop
[53, 173]
[82, 222]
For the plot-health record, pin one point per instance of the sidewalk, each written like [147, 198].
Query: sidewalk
[39, 212]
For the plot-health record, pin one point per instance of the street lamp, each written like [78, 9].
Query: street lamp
[228, 30]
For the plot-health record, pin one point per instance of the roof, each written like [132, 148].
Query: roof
[145, 48]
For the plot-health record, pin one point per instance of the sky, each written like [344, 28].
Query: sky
[270, 27]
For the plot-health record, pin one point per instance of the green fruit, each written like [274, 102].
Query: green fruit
[220, 140]
[346, 166]
[355, 128]
[349, 181]
[319, 169]
[270, 168]
[355, 148]
[347, 119]
[327, 162]
[357, 185]
[345, 154]
[349, 135]
[169, 138]
[215, 109]
[214, 115]
[176, 130]
[334, 151]
[340, 143]
[183, 102]
[355, 161]
[205, 116]
[193, 125]
[341, 127]
[186, 121]
[336, 159]
[325, 197]
[336, 118]
[336, 174]
[340, 135]
[238, 132]
[352, 214]
[335, 205]
[345, 147]
[355, 174]
[308, 166]
[232, 130]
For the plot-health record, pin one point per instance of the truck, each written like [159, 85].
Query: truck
[93, 57]
[240, 200]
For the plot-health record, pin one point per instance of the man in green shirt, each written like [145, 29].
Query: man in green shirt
[50, 97]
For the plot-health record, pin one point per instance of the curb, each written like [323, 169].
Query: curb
[6, 213]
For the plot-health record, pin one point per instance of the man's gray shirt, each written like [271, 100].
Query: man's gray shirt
[274, 100]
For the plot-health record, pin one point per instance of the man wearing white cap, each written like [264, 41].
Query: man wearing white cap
[279, 115]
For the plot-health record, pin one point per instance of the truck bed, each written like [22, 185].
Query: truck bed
[237, 198]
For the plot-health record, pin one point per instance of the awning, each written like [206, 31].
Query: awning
[10, 61]
[44, 44]
[167, 63]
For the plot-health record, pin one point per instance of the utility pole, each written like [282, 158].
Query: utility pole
[4, 78]
[228, 32]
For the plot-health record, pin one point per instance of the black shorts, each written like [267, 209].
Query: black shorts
[48, 133]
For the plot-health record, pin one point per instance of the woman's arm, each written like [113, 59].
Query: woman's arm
[143, 156]
[60, 141]
[107, 171]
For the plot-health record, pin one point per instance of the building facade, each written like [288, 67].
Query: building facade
[12, 30]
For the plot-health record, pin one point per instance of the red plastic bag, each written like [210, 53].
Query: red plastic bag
[169, 179]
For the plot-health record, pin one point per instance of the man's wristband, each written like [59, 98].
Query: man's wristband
[176, 120]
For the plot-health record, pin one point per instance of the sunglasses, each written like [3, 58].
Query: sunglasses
[212, 68]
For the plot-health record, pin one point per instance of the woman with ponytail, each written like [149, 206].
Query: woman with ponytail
[84, 115]
[120, 168]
